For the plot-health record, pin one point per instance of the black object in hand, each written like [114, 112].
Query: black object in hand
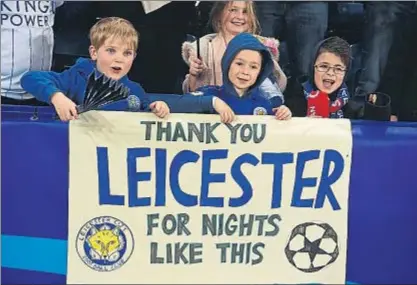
[354, 108]
[378, 109]
[100, 91]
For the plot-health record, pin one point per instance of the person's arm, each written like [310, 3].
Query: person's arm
[197, 104]
[280, 76]
[184, 103]
[141, 101]
[176, 103]
[192, 83]
[55, 89]
[273, 46]
[44, 84]
[185, 85]
[272, 92]
[197, 68]
[189, 84]
[180, 104]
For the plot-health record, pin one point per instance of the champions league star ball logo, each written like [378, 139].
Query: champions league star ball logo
[312, 247]
[104, 243]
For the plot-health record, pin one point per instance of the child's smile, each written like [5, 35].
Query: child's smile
[235, 19]
[243, 80]
[329, 72]
[328, 83]
[244, 70]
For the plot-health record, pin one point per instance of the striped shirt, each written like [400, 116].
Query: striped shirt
[27, 42]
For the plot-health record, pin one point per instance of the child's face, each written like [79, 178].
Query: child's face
[114, 58]
[235, 18]
[329, 72]
[244, 70]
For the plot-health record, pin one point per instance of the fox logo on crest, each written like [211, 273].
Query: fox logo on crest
[260, 111]
[104, 243]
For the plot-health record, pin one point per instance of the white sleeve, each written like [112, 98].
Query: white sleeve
[150, 6]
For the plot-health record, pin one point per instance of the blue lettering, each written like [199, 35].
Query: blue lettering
[241, 180]
[183, 157]
[327, 179]
[208, 177]
[134, 177]
[300, 182]
[277, 160]
[161, 172]
[333, 166]
[105, 198]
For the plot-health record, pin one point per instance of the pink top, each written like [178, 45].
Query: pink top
[212, 48]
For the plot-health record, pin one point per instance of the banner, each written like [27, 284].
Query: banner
[192, 201]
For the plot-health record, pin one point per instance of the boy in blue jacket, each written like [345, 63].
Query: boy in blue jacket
[114, 42]
[245, 65]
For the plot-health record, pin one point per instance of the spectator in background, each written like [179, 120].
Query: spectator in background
[27, 41]
[158, 66]
[306, 25]
[383, 20]
[302, 25]
[400, 77]
[71, 37]
[228, 19]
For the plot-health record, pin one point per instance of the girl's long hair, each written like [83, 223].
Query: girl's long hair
[220, 7]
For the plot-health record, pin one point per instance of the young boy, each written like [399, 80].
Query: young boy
[114, 42]
[328, 74]
[245, 65]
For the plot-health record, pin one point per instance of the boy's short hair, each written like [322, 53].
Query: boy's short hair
[114, 27]
[337, 46]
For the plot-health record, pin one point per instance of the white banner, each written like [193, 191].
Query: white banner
[192, 201]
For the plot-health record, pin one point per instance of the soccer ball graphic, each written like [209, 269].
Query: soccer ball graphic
[312, 246]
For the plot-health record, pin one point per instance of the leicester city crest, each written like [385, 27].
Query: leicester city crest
[260, 111]
[104, 243]
[133, 103]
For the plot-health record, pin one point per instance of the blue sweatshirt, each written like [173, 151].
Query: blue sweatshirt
[73, 81]
[252, 102]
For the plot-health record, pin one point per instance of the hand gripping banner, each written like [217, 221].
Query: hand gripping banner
[192, 201]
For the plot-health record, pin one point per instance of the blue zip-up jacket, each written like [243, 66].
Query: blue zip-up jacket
[252, 102]
[73, 81]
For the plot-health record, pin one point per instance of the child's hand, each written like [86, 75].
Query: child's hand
[196, 66]
[160, 109]
[394, 118]
[226, 113]
[64, 107]
[282, 113]
[372, 98]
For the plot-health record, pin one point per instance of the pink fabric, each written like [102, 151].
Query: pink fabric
[212, 48]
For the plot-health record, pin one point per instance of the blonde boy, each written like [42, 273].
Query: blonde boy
[114, 42]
